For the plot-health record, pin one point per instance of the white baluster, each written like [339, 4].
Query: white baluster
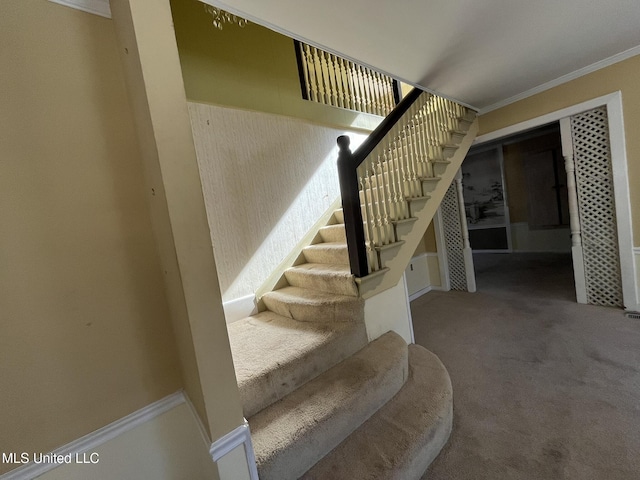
[574, 214]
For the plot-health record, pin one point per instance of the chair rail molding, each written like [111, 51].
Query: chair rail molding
[96, 7]
[238, 437]
[92, 440]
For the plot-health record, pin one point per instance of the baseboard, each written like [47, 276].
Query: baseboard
[93, 440]
[419, 293]
[568, 252]
[239, 308]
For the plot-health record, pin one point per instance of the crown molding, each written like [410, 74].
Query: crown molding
[618, 57]
[96, 7]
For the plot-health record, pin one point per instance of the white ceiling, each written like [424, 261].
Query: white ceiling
[484, 53]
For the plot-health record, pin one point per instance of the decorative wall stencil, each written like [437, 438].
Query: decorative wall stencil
[453, 234]
[594, 180]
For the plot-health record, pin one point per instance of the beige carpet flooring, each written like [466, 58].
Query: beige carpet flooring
[544, 388]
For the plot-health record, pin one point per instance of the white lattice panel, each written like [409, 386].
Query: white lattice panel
[594, 180]
[453, 234]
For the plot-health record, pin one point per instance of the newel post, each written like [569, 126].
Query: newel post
[351, 208]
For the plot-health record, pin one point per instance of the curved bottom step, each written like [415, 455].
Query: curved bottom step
[402, 438]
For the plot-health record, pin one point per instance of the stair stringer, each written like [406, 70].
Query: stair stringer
[378, 282]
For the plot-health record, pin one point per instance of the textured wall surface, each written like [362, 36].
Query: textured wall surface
[266, 180]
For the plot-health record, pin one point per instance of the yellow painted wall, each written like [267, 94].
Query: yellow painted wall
[251, 68]
[622, 76]
[85, 331]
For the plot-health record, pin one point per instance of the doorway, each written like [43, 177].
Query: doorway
[516, 205]
[619, 214]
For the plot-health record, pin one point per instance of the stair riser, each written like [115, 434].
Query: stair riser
[350, 309]
[328, 255]
[411, 429]
[333, 233]
[416, 206]
[409, 189]
[464, 124]
[439, 168]
[403, 229]
[420, 168]
[389, 252]
[457, 137]
[429, 185]
[315, 419]
[322, 283]
[395, 210]
[259, 392]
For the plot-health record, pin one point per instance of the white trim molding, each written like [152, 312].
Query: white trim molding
[97, 7]
[95, 439]
[618, 57]
[548, 118]
[239, 436]
[636, 307]
[420, 293]
[240, 308]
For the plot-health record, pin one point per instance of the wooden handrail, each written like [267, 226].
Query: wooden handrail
[351, 209]
[385, 126]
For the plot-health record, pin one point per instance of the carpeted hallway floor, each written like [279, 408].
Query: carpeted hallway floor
[544, 388]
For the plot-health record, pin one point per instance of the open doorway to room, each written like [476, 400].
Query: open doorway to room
[516, 205]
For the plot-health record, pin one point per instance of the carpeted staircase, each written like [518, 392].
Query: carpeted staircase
[322, 402]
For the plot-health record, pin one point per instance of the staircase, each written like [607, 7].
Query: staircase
[321, 400]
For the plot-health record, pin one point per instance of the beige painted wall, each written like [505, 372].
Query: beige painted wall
[266, 180]
[428, 243]
[251, 68]
[622, 76]
[86, 337]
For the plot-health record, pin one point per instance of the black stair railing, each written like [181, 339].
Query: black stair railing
[388, 169]
[348, 164]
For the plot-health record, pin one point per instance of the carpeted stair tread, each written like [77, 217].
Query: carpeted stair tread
[308, 305]
[324, 277]
[327, 252]
[273, 355]
[404, 436]
[294, 433]
[333, 233]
